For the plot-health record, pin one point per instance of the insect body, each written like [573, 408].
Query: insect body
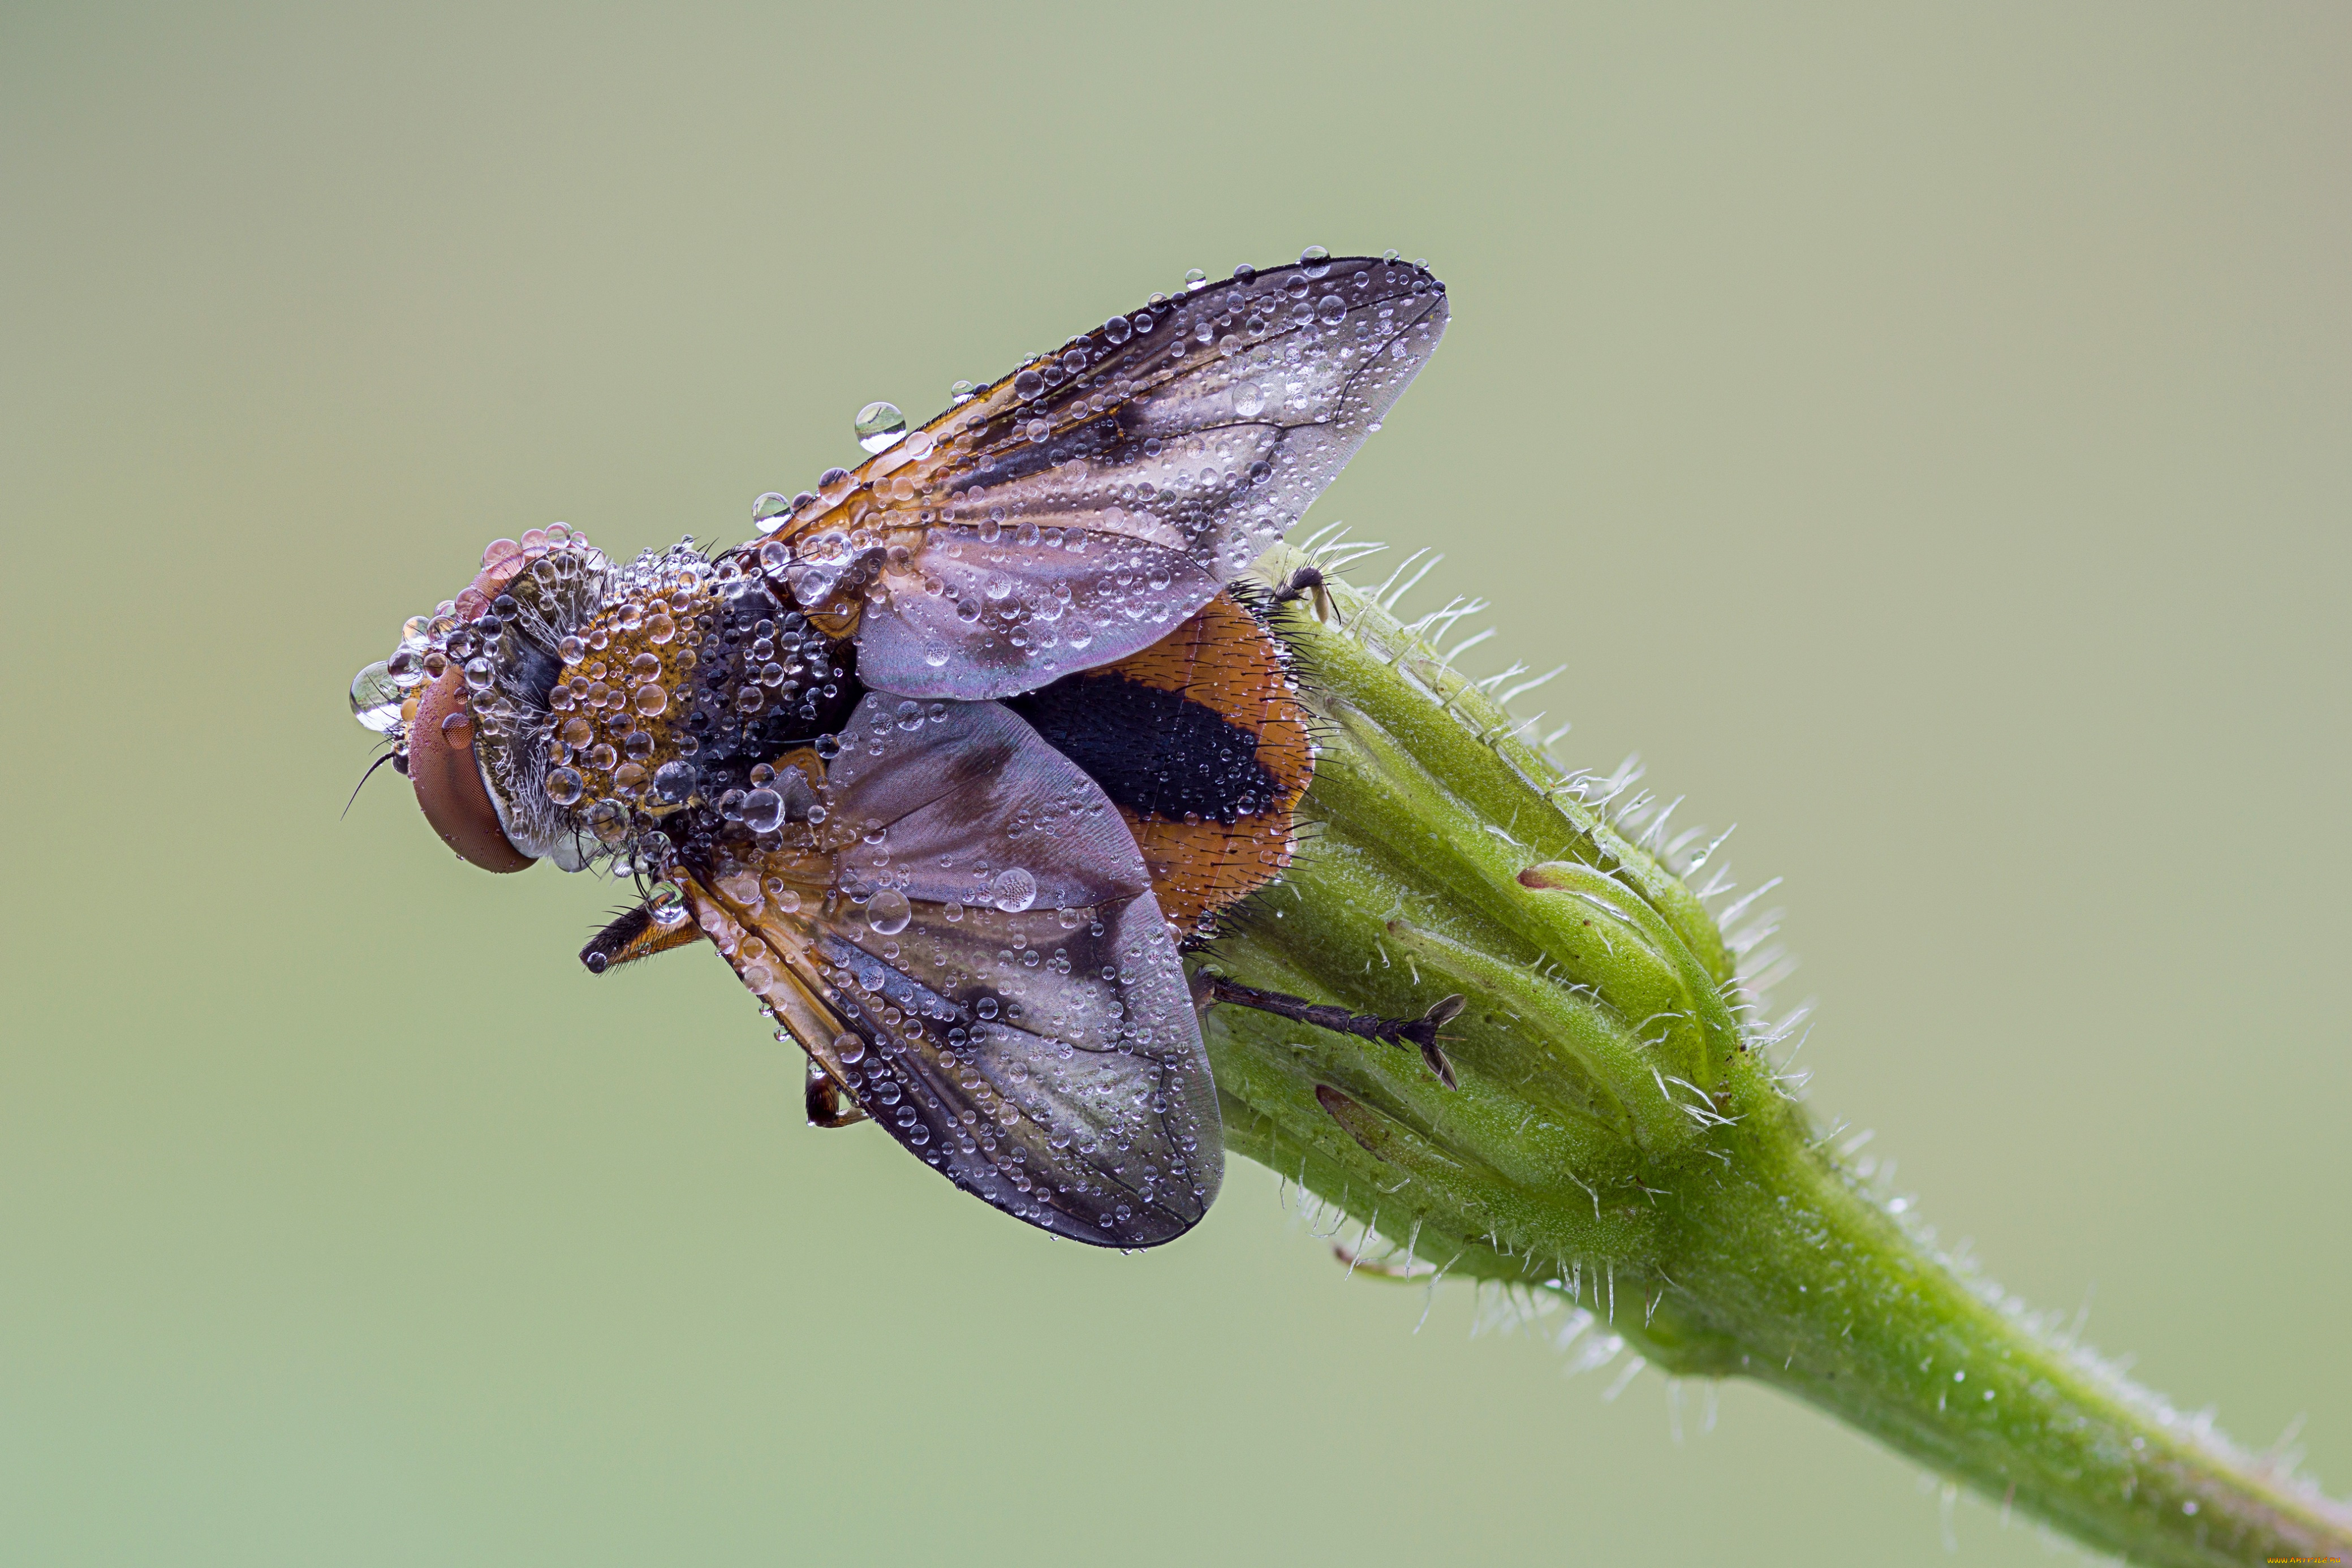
[950, 764]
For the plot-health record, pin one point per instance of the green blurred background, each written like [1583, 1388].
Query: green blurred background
[1924, 429]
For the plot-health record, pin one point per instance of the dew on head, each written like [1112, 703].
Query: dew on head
[376, 699]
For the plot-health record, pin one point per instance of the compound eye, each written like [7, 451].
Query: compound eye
[449, 781]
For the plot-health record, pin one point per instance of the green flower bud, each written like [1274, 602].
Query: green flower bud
[1620, 1138]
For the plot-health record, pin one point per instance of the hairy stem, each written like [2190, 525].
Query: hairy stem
[1619, 1139]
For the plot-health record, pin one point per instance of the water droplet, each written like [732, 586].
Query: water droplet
[478, 674]
[1012, 890]
[1314, 261]
[812, 584]
[458, 731]
[608, 819]
[563, 786]
[1195, 279]
[764, 811]
[1330, 309]
[650, 699]
[1116, 330]
[962, 392]
[1028, 383]
[888, 912]
[1249, 399]
[375, 700]
[849, 1048]
[768, 513]
[880, 425]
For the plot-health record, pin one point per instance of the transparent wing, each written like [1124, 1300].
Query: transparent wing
[983, 967]
[1082, 507]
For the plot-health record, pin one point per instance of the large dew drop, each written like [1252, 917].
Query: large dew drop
[764, 811]
[375, 700]
[880, 425]
[1014, 891]
[889, 912]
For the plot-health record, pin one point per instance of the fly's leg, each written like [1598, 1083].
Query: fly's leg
[1307, 581]
[638, 933]
[1211, 989]
[828, 1106]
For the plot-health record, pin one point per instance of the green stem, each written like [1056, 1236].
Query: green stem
[1619, 1139]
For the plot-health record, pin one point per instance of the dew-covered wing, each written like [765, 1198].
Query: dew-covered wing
[1077, 510]
[992, 979]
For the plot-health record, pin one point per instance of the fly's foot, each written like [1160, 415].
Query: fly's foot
[1306, 582]
[828, 1106]
[636, 933]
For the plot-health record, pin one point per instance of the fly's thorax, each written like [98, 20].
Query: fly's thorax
[576, 706]
[677, 692]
